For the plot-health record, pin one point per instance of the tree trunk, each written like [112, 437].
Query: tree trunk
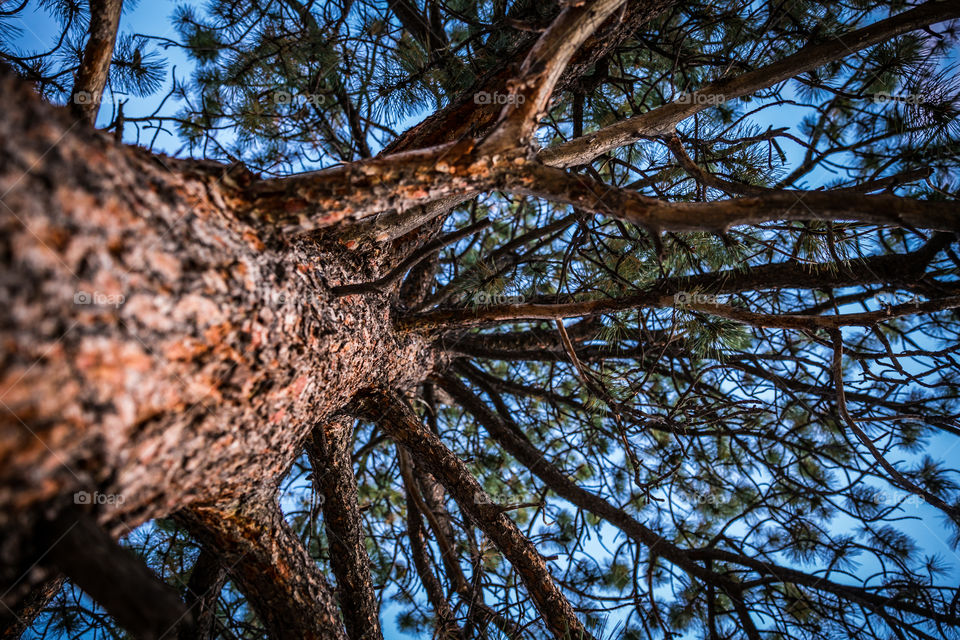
[159, 349]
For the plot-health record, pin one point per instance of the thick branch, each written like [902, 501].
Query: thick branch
[464, 117]
[206, 580]
[94, 68]
[658, 215]
[663, 119]
[270, 566]
[531, 90]
[329, 450]
[113, 576]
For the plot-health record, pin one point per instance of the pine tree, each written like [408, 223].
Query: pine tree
[648, 329]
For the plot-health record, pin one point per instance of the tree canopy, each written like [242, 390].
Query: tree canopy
[688, 276]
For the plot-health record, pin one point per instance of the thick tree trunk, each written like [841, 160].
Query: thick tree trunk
[159, 351]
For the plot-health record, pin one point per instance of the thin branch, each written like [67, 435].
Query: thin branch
[427, 250]
[685, 559]
[895, 476]
[397, 419]
[446, 627]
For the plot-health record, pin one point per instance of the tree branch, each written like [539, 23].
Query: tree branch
[896, 477]
[270, 565]
[530, 91]
[663, 119]
[206, 580]
[889, 268]
[329, 451]
[94, 68]
[113, 576]
[685, 559]
[381, 284]
[658, 215]
[403, 425]
[446, 627]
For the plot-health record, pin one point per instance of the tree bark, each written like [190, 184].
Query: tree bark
[160, 349]
[206, 580]
[270, 566]
[91, 78]
[329, 450]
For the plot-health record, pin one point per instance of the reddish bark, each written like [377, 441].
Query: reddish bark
[168, 347]
[270, 565]
[227, 347]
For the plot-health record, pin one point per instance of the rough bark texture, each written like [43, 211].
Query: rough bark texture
[270, 565]
[464, 117]
[206, 580]
[95, 65]
[174, 331]
[205, 377]
[329, 449]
